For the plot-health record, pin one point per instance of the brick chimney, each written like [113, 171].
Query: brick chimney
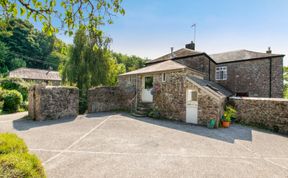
[190, 45]
[269, 51]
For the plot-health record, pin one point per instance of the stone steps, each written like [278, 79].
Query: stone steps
[142, 109]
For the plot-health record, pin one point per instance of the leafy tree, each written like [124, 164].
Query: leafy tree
[4, 50]
[90, 63]
[131, 62]
[17, 63]
[26, 46]
[286, 74]
[70, 13]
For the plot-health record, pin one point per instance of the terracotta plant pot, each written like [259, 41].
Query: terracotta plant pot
[225, 124]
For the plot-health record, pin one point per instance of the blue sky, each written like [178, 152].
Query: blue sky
[151, 27]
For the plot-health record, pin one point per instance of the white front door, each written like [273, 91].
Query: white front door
[192, 106]
[147, 86]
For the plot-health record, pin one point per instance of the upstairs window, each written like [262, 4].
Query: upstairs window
[163, 77]
[221, 73]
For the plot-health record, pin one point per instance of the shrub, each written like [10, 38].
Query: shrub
[11, 143]
[154, 114]
[83, 105]
[16, 84]
[24, 106]
[230, 112]
[15, 161]
[12, 100]
[21, 165]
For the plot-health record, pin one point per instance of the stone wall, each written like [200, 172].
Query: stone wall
[277, 77]
[169, 100]
[264, 112]
[50, 102]
[253, 77]
[209, 105]
[200, 63]
[101, 99]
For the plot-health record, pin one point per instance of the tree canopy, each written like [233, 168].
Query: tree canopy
[21, 45]
[88, 66]
[70, 14]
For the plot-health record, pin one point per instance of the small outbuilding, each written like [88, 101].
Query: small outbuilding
[38, 76]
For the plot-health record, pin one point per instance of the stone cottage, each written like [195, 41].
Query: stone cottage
[193, 86]
[38, 76]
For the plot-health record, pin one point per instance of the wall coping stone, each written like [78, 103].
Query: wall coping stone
[260, 99]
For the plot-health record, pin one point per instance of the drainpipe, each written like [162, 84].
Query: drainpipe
[209, 70]
[270, 78]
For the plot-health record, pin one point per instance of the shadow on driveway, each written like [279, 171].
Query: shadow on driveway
[234, 132]
[25, 123]
[227, 135]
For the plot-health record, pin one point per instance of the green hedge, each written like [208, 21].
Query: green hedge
[15, 161]
[16, 84]
[12, 100]
[11, 143]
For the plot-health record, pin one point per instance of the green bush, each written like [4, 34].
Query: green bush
[24, 106]
[11, 143]
[12, 100]
[21, 165]
[15, 161]
[83, 105]
[16, 84]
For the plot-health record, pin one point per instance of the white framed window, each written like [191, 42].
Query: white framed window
[163, 77]
[192, 96]
[221, 73]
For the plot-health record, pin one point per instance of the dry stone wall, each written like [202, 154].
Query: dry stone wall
[101, 99]
[263, 112]
[50, 102]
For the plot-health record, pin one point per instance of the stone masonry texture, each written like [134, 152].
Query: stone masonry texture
[50, 102]
[271, 113]
[170, 98]
[101, 99]
[200, 63]
[253, 77]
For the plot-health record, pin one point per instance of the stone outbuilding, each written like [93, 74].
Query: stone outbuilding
[37, 76]
[177, 92]
[192, 86]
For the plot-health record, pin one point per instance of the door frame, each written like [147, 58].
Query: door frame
[191, 104]
[146, 95]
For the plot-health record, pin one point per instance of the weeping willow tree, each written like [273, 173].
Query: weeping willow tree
[91, 63]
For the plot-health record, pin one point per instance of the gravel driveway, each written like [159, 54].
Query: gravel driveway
[118, 145]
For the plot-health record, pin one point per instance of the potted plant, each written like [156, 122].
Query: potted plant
[229, 113]
[226, 121]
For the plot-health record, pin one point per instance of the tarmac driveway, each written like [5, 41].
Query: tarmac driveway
[118, 145]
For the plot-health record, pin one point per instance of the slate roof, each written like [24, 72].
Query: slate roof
[163, 66]
[184, 52]
[211, 85]
[240, 55]
[35, 74]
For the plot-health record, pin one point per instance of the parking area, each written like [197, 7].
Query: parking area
[119, 145]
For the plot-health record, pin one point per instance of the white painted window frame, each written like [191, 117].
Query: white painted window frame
[190, 96]
[218, 71]
[163, 77]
